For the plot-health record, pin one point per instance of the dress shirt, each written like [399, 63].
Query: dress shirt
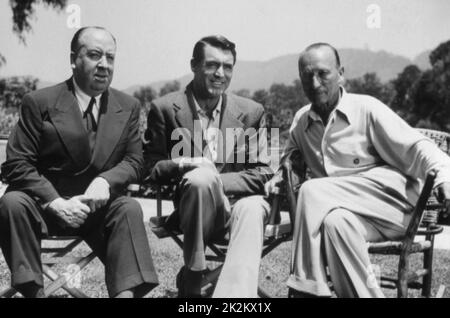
[210, 128]
[84, 99]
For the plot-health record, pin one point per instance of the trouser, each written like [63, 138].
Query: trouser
[204, 215]
[334, 220]
[115, 233]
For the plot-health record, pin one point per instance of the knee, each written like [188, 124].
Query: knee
[129, 207]
[201, 178]
[310, 189]
[337, 222]
[13, 204]
[253, 209]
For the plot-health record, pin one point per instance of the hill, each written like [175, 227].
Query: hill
[256, 75]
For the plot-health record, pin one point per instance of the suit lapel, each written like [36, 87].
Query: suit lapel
[66, 117]
[186, 114]
[112, 122]
[229, 121]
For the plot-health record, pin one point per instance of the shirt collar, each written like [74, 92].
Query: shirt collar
[83, 98]
[341, 109]
[216, 111]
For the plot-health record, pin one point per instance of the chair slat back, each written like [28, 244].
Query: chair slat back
[440, 138]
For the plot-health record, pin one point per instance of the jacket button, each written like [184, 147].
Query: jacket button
[356, 161]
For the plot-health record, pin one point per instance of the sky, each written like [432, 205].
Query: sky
[155, 37]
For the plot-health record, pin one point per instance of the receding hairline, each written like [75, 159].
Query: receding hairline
[319, 45]
[76, 40]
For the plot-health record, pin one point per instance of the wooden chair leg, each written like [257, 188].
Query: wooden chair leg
[428, 265]
[403, 267]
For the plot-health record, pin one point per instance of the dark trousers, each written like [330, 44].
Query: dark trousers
[116, 234]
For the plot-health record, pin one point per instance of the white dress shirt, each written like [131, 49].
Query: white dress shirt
[84, 99]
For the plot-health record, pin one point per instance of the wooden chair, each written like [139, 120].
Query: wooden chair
[58, 253]
[277, 231]
[424, 222]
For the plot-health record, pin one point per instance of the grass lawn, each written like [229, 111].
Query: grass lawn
[274, 271]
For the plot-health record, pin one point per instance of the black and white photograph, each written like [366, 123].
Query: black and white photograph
[241, 150]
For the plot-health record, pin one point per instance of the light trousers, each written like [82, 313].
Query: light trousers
[335, 218]
[205, 215]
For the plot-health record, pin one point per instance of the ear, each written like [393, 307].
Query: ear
[341, 75]
[193, 66]
[72, 60]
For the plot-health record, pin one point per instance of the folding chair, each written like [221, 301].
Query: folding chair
[69, 278]
[277, 231]
[424, 222]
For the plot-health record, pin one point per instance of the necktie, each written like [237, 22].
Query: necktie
[88, 116]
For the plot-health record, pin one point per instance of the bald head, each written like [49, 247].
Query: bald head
[322, 45]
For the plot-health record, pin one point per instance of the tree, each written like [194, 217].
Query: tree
[145, 95]
[430, 93]
[169, 87]
[403, 86]
[12, 90]
[370, 84]
[24, 10]
[261, 96]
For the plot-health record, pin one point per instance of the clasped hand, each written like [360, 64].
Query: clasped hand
[74, 211]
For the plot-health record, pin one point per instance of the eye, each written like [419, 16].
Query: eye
[93, 55]
[228, 67]
[110, 58]
[212, 65]
[324, 73]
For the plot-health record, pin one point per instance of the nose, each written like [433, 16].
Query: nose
[219, 71]
[103, 62]
[315, 82]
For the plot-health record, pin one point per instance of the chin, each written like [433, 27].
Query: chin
[215, 92]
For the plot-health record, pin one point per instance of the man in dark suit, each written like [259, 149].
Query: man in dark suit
[197, 140]
[74, 150]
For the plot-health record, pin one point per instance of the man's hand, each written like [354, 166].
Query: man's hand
[272, 185]
[97, 194]
[443, 195]
[71, 212]
[188, 164]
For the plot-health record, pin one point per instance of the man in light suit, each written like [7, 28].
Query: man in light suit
[190, 144]
[74, 150]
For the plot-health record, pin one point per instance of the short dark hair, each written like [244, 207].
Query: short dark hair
[75, 45]
[217, 41]
[322, 44]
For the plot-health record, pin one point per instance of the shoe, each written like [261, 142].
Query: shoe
[193, 284]
[31, 290]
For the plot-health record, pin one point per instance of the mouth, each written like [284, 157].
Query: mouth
[217, 84]
[101, 77]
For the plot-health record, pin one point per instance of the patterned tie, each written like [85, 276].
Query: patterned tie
[88, 116]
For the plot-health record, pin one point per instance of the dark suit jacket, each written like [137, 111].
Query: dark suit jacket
[175, 111]
[48, 153]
